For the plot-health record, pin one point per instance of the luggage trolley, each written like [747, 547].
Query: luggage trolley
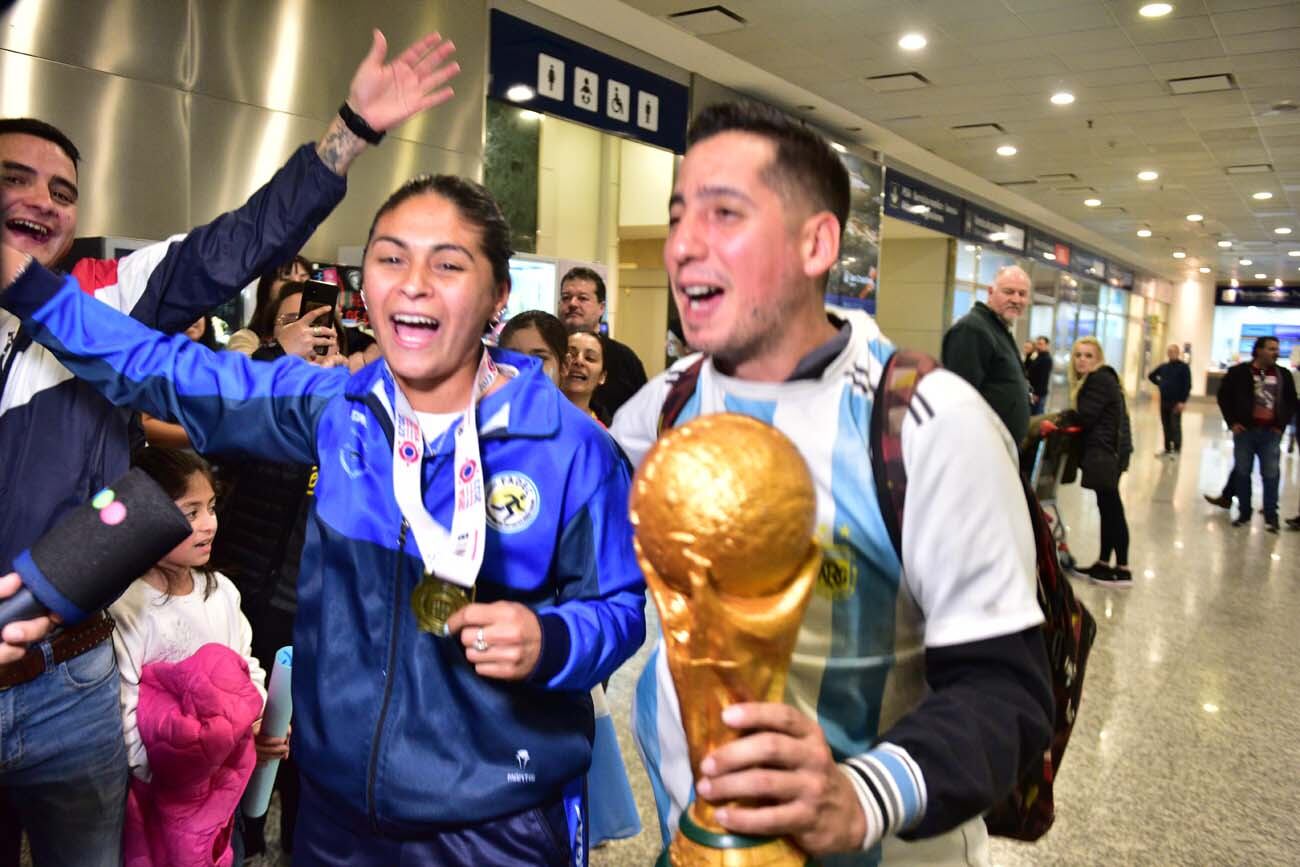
[1050, 453]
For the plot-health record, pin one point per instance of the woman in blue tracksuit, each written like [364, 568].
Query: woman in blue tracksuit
[463, 586]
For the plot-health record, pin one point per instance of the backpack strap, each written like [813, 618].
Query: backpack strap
[679, 392]
[893, 401]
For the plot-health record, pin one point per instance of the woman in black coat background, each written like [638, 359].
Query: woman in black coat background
[1098, 402]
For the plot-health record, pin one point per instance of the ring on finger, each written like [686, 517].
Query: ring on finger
[479, 643]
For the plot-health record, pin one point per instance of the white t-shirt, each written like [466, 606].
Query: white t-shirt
[968, 570]
[155, 627]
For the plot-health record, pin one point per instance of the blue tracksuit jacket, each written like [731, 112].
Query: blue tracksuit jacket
[391, 724]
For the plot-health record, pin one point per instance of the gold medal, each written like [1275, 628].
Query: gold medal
[434, 601]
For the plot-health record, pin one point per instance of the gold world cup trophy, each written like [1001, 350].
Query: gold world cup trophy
[724, 512]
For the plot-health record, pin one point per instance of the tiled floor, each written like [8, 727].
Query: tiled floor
[1185, 752]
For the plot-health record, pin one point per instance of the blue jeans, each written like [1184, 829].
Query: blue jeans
[63, 760]
[1266, 444]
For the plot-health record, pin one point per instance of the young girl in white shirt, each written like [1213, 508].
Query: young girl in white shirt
[180, 605]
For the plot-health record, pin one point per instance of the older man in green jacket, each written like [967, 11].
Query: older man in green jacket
[981, 349]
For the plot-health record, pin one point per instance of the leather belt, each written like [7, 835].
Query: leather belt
[68, 644]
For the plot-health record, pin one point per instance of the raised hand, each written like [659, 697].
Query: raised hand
[386, 94]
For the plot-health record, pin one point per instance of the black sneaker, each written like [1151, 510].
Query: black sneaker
[1096, 570]
[1270, 524]
[1293, 523]
[1241, 521]
[1221, 502]
[1121, 578]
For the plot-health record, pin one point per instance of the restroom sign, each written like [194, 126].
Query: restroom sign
[586, 89]
[647, 111]
[550, 76]
[618, 100]
[534, 68]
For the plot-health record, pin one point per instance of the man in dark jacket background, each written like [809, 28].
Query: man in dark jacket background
[981, 350]
[1174, 378]
[1257, 399]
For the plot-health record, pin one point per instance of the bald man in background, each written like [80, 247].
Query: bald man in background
[981, 349]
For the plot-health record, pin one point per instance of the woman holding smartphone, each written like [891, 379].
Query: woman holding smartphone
[468, 574]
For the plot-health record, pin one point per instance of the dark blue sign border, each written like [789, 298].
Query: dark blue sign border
[1225, 295]
[514, 60]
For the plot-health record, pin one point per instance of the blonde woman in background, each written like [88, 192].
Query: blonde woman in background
[1098, 401]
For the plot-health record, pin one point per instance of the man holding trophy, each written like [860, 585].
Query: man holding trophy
[916, 690]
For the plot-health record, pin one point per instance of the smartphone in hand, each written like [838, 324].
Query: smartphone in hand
[316, 294]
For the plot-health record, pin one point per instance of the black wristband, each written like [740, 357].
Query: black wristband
[358, 126]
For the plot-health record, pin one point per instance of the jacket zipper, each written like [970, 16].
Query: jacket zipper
[388, 680]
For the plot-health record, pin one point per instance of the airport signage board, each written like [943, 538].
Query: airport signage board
[917, 202]
[989, 227]
[534, 68]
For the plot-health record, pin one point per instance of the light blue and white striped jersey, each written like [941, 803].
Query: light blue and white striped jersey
[858, 664]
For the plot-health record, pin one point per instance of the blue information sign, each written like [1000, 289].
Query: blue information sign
[535, 68]
[917, 202]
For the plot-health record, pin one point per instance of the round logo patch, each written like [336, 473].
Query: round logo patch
[409, 452]
[468, 469]
[512, 502]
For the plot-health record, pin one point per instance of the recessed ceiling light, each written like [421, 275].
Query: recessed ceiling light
[1245, 261]
[1261, 276]
[912, 42]
[1277, 281]
[1262, 196]
[1195, 218]
[1062, 97]
[1204, 269]
[520, 93]
[839, 147]
[1235, 282]
[1148, 175]
[1007, 150]
[1179, 254]
[1156, 10]
[1293, 253]
[1225, 244]
[1144, 233]
[1092, 203]
[1282, 230]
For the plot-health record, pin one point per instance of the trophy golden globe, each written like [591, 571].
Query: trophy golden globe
[724, 512]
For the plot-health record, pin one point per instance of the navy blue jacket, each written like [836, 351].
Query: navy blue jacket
[1175, 381]
[391, 724]
[61, 441]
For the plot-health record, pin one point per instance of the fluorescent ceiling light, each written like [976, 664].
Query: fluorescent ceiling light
[1261, 276]
[1148, 175]
[1179, 254]
[912, 42]
[1293, 253]
[1092, 203]
[520, 93]
[1245, 261]
[1225, 244]
[1007, 150]
[1062, 97]
[1282, 230]
[1204, 269]
[1156, 10]
[1195, 218]
[1144, 233]
[1262, 197]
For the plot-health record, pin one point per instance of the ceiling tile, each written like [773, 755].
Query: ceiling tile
[1272, 40]
[1090, 60]
[1171, 30]
[1076, 16]
[1256, 20]
[1191, 49]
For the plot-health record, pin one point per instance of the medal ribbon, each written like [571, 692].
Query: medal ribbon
[454, 557]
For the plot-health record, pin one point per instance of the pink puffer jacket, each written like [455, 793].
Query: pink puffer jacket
[195, 718]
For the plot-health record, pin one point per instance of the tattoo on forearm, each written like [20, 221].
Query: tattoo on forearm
[339, 147]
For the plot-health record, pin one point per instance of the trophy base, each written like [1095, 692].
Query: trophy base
[694, 846]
